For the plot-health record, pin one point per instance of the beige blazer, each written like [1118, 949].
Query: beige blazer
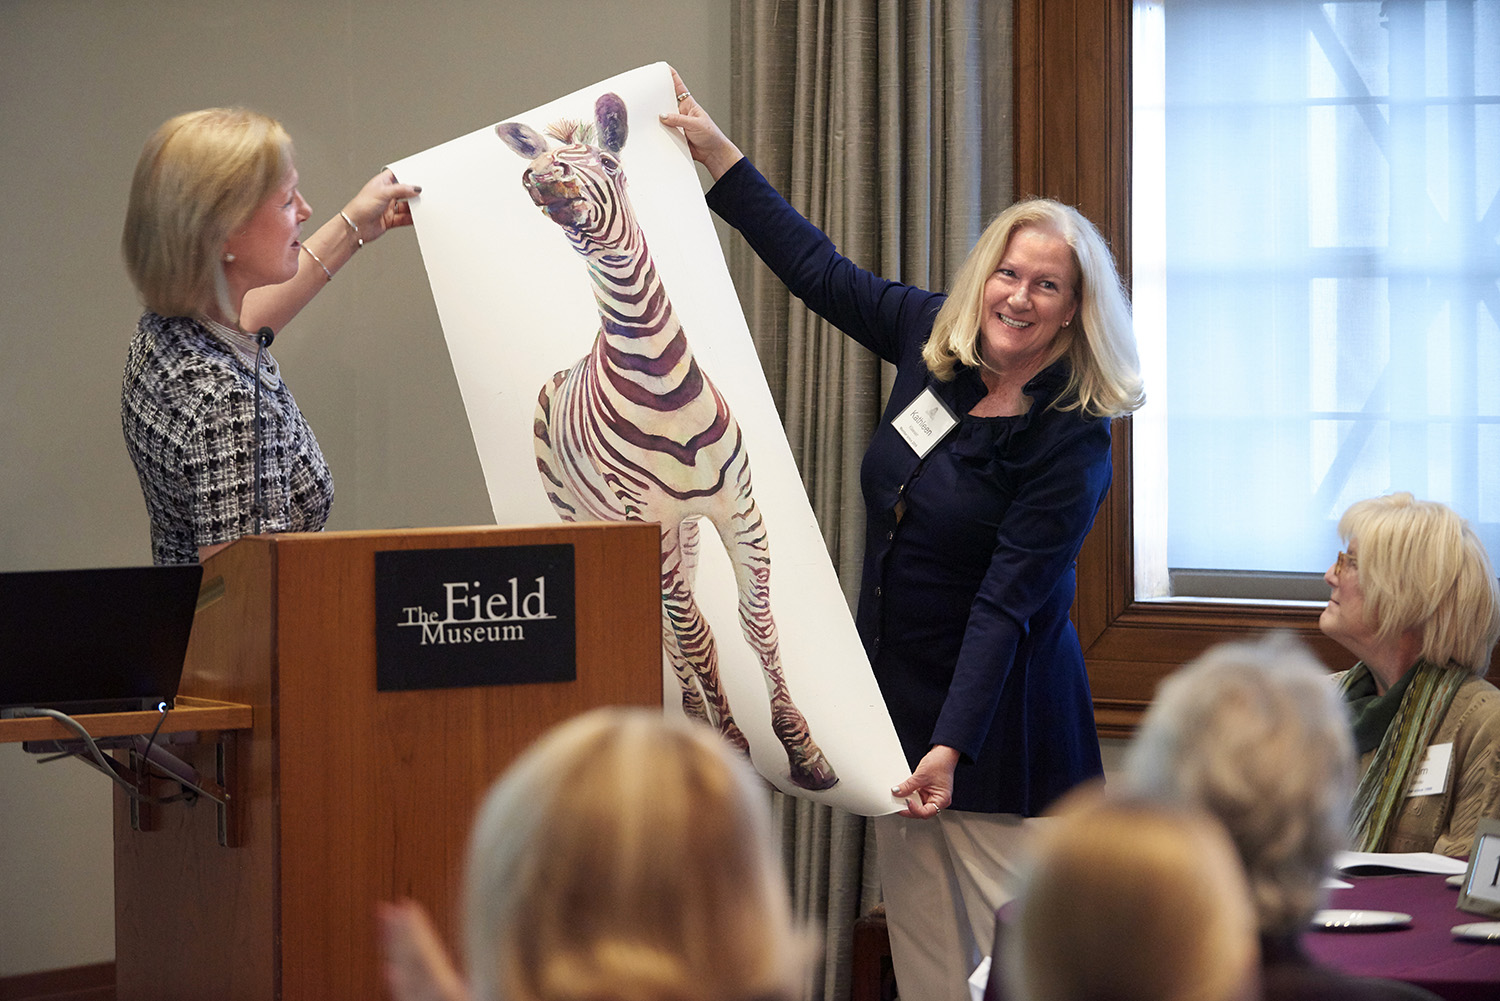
[1445, 822]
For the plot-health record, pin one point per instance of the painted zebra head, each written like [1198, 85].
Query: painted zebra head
[579, 185]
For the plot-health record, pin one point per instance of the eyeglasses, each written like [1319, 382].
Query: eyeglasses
[1345, 561]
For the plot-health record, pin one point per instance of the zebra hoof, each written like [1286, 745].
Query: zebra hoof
[813, 774]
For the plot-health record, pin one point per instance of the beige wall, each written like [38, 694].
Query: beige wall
[82, 83]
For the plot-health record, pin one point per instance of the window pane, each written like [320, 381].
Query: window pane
[1317, 274]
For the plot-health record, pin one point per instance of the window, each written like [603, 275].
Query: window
[1315, 211]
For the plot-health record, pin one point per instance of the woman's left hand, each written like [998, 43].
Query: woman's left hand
[930, 787]
[381, 205]
[416, 966]
[706, 141]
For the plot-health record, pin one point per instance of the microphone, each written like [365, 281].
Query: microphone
[263, 338]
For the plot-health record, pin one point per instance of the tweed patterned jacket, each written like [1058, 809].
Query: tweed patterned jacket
[187, 409]
[1445, 822]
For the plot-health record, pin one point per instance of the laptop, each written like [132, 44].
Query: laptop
[89, 641]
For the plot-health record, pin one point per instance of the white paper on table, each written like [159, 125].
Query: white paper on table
[980, 979]
[1426, 862]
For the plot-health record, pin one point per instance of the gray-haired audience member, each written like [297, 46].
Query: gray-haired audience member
[1256, 734]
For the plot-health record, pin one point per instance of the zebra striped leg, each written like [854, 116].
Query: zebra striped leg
[563, 501]
[687, 534]
[688, 642]
[751, 553]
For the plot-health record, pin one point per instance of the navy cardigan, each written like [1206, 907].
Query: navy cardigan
[969, 553]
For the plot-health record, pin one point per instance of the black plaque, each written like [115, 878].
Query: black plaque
[453, 618]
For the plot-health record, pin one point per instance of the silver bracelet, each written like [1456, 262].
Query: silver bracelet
[319, 263]
[357, 241]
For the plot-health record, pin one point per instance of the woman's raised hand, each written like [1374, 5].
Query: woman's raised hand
[380, 205]
[705, 140]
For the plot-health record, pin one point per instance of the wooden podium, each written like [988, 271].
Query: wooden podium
[342, 796]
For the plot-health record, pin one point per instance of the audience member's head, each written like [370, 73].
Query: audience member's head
[1130, 901]
[627, 856]
[1422, 569]
[1255, 734]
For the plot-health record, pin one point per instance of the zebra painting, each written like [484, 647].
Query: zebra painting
[636, 431]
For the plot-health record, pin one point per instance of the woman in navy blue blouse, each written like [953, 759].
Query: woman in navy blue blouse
[980, 484]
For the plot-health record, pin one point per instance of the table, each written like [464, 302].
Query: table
[1425, 954]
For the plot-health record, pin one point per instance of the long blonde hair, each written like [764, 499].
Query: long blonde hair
[1104, 378]
[627, 857]
[200, 177]
[1421, 566]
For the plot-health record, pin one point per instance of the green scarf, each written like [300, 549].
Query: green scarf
[1403, 721]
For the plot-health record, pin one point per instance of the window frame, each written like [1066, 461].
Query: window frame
[1072, 142]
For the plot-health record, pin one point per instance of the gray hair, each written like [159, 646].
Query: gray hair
[1255, 733]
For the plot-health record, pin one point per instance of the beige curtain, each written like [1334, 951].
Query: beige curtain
[887, 123]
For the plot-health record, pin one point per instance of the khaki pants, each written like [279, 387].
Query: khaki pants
[943, 879]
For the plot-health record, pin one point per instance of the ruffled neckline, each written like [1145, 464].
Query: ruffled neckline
[979, 437]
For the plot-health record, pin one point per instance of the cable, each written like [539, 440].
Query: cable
[108, 766]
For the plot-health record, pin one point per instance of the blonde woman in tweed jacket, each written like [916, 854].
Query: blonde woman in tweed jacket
[1416, 600]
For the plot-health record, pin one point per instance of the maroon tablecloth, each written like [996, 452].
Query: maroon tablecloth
[1425, 954]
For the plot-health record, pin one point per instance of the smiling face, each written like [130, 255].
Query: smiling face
[265, 249]
[1031, 295]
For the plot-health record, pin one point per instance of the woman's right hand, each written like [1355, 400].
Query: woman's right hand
[705, 140]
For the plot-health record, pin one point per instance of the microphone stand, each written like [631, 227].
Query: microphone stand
[263, 338]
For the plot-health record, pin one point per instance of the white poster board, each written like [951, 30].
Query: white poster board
[517, 305]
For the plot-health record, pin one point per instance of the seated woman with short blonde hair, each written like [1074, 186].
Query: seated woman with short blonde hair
[1416, 600]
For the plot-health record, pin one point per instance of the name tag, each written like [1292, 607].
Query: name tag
[925, 422]
[1432, 774]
